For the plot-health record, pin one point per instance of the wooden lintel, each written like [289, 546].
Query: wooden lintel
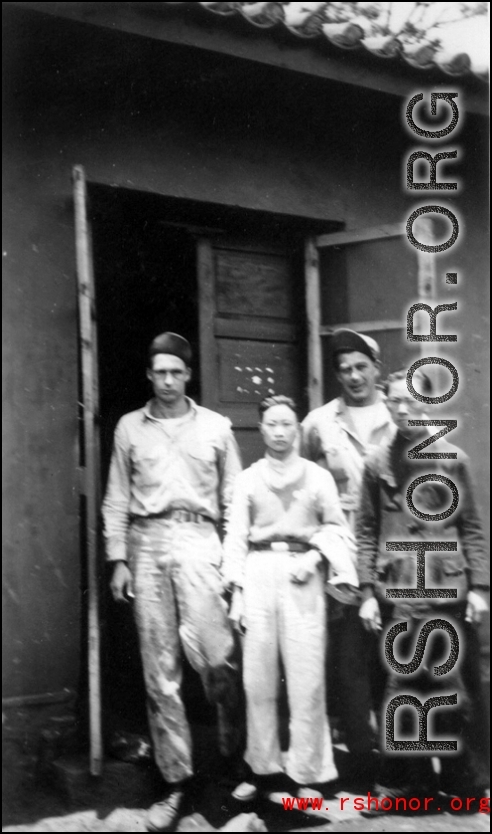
[360, 235]
[364, 326]
[191, 228]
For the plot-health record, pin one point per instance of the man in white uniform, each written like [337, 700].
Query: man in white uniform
[339, 436]
[286, 524]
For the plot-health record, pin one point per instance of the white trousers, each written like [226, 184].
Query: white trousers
[178, 606]
[285, 621]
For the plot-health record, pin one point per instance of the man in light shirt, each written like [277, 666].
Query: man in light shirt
[170, 486]
[286, 526]
[339, 436]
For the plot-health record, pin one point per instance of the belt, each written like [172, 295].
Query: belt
[182, 516]
[345, 594]
[296, 547]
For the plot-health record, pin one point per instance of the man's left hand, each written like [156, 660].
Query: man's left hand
[236, 612]
[304, 566]
[477, 605]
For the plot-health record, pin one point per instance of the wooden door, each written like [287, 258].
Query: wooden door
[365, 280]
[251, 312]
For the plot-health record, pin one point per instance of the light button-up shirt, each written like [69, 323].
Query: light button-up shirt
[192, 467]
[297, 501]
[330, 438]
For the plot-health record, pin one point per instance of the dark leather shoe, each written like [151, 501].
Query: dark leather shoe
[391, 795]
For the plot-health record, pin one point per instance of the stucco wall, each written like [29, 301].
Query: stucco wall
[147, 115]
[40, 514]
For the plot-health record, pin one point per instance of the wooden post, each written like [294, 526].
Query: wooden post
[424, 230]
[426, 275]
[315, 361]
[90, 400]
[206, 314]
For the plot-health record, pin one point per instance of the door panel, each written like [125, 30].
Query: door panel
[251, 316]
[368, 283]
[253, 283]
[249, 371]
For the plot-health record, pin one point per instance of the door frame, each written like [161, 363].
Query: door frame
[426, 282]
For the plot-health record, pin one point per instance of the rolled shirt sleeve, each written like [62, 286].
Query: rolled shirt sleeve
[229, 465]
[236, 543]
[311, 445]
[116, 504]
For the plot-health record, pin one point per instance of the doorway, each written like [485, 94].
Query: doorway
[145, 283]
[232, 282]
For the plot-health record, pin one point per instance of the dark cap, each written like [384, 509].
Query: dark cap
[344, 341]
[173, 344]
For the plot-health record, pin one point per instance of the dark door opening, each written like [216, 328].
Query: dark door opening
[145, 283]
[232, 282]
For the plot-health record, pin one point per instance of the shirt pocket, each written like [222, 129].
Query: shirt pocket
[336, 463]
[201, 450]
[449, 571]
[149, 461]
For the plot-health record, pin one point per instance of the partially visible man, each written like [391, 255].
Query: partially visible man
[170, 486]
[339, 436]
[384, 516]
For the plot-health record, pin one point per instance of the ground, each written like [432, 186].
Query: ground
[46, 792]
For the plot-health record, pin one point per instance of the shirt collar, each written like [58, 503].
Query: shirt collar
[343, 415]
[342, 406]
[147, 414]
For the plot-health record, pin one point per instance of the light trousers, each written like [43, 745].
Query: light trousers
[285, 621]
[178, 605]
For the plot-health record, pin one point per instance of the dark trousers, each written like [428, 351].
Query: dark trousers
[461, 770]
[353, 690]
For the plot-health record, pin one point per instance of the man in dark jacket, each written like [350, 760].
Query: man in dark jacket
[387, 514]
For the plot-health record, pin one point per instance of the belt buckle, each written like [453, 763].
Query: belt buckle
[348, 502]
[279, 546]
